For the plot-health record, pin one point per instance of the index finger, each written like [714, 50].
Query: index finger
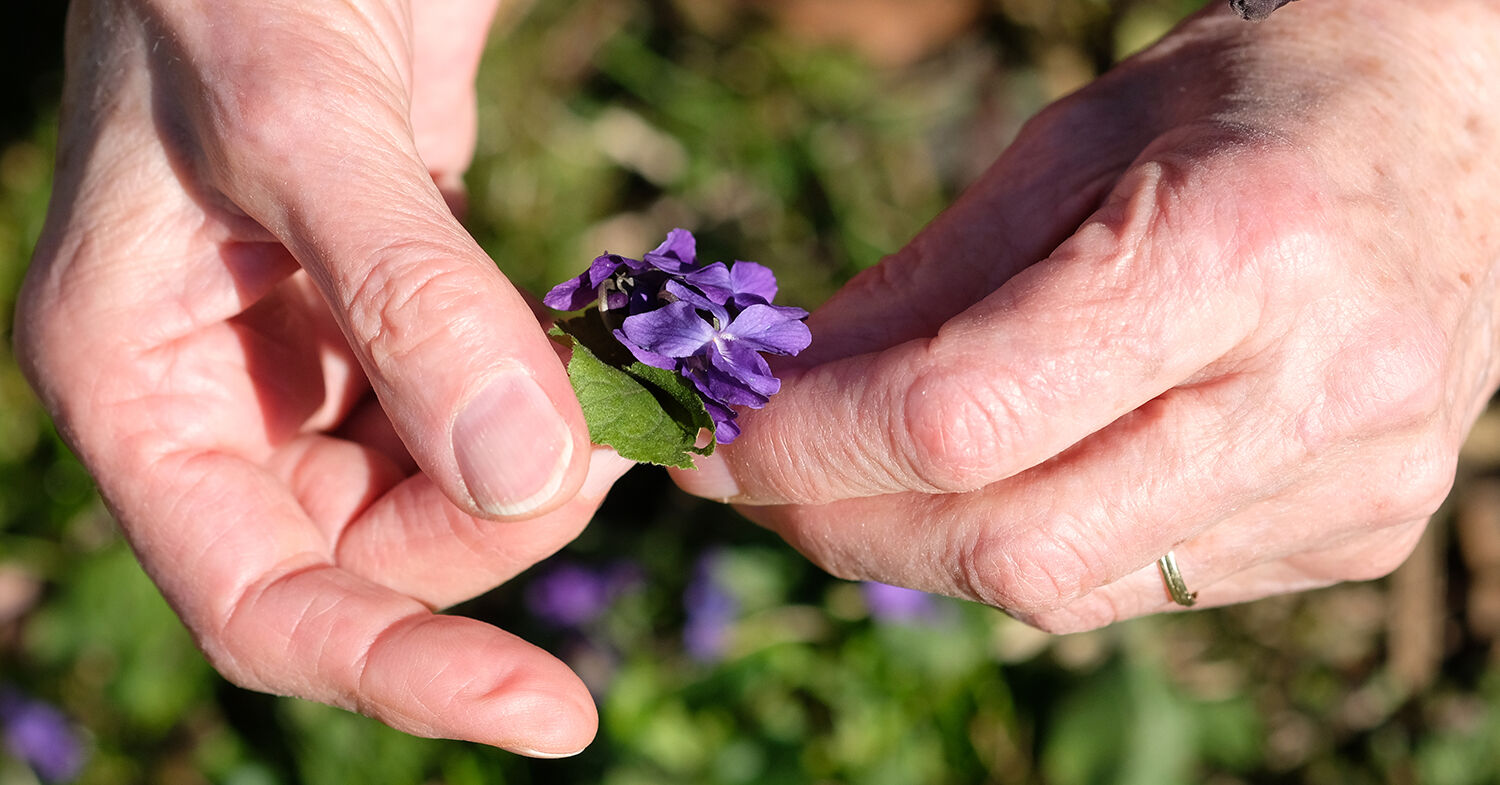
[1156, 286]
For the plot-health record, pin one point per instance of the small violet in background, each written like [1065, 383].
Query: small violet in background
[896, 605]
[710, 323]
[572, 596]
[40, 735]
[710, 611]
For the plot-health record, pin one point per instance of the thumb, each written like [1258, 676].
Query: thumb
[315, 144]
[452, 350]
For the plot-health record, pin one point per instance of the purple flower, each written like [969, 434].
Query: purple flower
[572, 595]
[583, 291]
[677, 254]
[711, 611]
[709, 323]
[726, 429]
[719, 351]
[732, 346]
[897, 605]
[740, 286]
[40, 735]
[621, 277]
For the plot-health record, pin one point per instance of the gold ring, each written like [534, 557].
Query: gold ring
[1176, 587]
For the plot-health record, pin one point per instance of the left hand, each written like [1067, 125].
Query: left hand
[1236, 299]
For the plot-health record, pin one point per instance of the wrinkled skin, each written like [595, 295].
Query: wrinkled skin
[1232, 299]
[1236, 298]
[307, 483]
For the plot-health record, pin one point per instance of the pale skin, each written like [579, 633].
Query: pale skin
[293, 476]
[1236, 299]
[1237, 321]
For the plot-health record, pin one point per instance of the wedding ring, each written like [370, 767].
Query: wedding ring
[1176, 587]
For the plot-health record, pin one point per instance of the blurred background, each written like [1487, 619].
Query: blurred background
[813, 136]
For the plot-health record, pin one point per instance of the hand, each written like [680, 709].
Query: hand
[1237, 298]
[300, 385]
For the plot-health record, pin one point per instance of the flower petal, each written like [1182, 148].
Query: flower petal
[720, 386]
[746, 367]
[689, 295]
[571, 295]
[674, 330]
[726, 429]
[645, 355]
[714, 281]
[645, 294]
[677, 254]
[606, 265]
[770, 328]
[751, 283]
[898, 605]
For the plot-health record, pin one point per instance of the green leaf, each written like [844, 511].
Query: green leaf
[646, 414]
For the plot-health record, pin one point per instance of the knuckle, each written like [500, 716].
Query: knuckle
[1387, 550]
[1030, 573]
[1392, 379]
[895, 273]
[1092, 612]
[408, 300]
[1417, 481]
[956, 426]
[1429, 475]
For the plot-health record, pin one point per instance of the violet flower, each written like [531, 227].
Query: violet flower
[611, 279]
[39, 734]
[710, 323]
[711, 611]
[740, 286]
[719, 352]
[898, 605]
[572, 595]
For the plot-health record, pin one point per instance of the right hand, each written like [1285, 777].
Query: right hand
[303, 389]
[1233, 300]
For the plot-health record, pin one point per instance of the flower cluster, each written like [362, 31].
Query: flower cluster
[711, 323]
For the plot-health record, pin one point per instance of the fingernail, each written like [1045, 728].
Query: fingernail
[605, 467]
[711, 479]
[512, 446]
[530, 753]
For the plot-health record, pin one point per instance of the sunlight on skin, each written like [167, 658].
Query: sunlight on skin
[1200, 305]
[307, 484]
